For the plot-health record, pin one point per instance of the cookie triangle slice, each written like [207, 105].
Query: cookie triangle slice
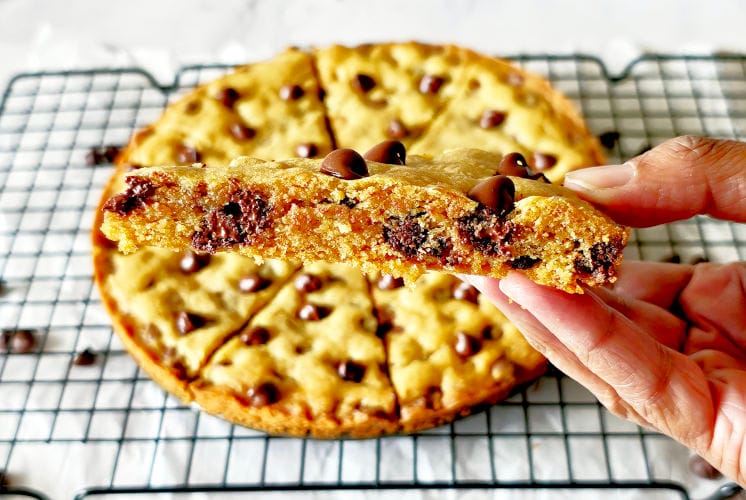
[456, 213]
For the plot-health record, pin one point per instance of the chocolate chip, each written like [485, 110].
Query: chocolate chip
[466, 345]
[187, 155]
[253, 283]
[430, 84]
[491, 118]
[351, 371]
[496, 193]
[388, 282]
[609, 139]
[487, 231]
[306, 150]
[312, 312]
[345, 164]
[363, 83]
[188, 322]
[385, 321]
[513, 164]
[20, 341]
[228, 96]
[263, 394]
[307, 283]
[464, 291]
[241, 132]
[696, 260]
[256, 335]
[390, 152]
[601, 259]
[85, 358]
[410, 237]
[291, 92]
[524, 262]
[702, 468]
[396, 129]
[191, 262]
[93, 157]
[543, 161]
[673, 258]
[135, 196]
[4, 481]
[110, 153]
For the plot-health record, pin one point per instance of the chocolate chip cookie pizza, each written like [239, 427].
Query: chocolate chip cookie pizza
[324, 349]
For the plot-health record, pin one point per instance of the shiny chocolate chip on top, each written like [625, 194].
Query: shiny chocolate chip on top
[390, 152]
[20, 341]
[345, 164]
[263, 394]
[513, 164]
[496, 193]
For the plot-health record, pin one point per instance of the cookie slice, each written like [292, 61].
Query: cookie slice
[449, 349]
[499, 107]
[386, 91]
[309, 362]
[454, 213]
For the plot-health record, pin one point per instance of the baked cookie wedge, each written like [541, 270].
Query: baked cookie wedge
[465, 211]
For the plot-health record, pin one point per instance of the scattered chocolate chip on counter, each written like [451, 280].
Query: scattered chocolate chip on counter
[609, 139]
[496, 193]
[21, 341]
[389, 152]
[85, 357]
[344, 164]
[673, 258]
[102, 155]
[4, 481]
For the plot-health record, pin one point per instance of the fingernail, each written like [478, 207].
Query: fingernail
[608, 176]
[511, 286]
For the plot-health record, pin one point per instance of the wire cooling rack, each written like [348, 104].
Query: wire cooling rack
[106, 430]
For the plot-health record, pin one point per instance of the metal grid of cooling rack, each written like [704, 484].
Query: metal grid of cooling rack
[107, 430]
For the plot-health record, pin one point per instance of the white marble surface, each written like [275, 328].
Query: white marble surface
[162, 35]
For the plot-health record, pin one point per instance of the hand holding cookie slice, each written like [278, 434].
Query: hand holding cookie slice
[457, 212]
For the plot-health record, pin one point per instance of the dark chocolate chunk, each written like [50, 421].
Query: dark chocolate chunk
[291, 92]
[466, 345]
[187, 155]
[256, 335]
[524, 262]
[263, 394]
[430, 84]
[496, 193]
[351, 371]
[702, 468]
[348, 202]
[408, 236]
[464, 291]
[253, 283]
[486, 231]
[135, 196]
[307, 283]
[85, 358]
[601, 259]
[396, 129]
[491, 118]
[306, 150]
[513, 164]
[388, 282]
[543, 161]
[22, 341]
[363, 83]
[93, 157]
[312, 312]
[609, 139]
[390, 152]
[110, 153]
[187, 322]
[191, 261]
[241, 132]
[345, 164]
[228, 96]
[673, 258]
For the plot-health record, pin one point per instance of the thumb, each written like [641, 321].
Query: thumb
[680, 178]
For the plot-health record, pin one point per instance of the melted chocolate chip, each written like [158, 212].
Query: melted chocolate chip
[85, 358]
[609, 139]
[430, 84]
[524, 262]
[496, 193]
[263, 394]
[385, 321]
[486, 231]
[256, 335]
[307, 283]
[491, 118]
[306, 150]
[513, 164]
[20, 341]
[351, 371]
[191, 262]
[388, 282]
[135, 196]
[291, 92]
[363, 83]
[543, 161]
[466, 345]
[345, 164]
[312, 312]
[228, 96]
[241, 132]
[253, 283]
[464, 291]
[390, 152]
[602, 258]
[409, 237]
[702, 468]
[396, 129]
[188, 322]
[187, 155]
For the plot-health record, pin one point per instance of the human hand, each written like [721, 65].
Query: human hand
[665, 346]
